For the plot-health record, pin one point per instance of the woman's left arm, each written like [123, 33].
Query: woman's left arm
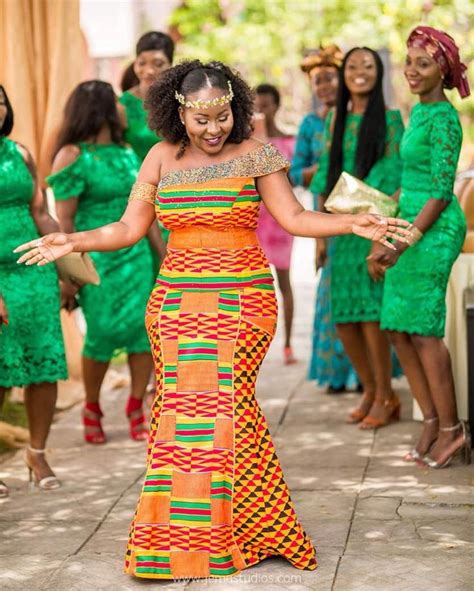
[279, 199]
[43, 220]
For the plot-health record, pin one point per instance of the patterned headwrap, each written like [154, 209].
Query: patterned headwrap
[442, 48]
[324, 57]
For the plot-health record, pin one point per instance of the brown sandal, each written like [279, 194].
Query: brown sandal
[393, 406]
[358, 414]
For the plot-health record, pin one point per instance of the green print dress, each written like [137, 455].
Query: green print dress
[31, 346]
[101, 179]
[355, 297]
[414, 299]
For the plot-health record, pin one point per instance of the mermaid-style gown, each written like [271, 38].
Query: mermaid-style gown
[214, 500]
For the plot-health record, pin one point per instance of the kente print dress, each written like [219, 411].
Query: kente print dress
[214, 500]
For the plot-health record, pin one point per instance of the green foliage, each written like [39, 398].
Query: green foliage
[264, 39]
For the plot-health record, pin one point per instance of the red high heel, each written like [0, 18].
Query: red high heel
[136, 417]
[91, 419]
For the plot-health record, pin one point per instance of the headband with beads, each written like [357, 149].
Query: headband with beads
[200, 104]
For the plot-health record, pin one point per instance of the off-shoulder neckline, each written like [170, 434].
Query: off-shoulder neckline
[195, 169]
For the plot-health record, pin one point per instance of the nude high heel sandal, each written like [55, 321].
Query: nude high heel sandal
[413, 455]
[464, 451]
[46, 483]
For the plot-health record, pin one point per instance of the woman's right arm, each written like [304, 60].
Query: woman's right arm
[132, 226]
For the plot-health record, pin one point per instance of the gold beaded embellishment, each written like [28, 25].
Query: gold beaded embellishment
[143, 192]
[199, 104]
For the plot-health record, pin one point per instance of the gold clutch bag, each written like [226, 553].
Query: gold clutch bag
[351, 195]
[78, 268]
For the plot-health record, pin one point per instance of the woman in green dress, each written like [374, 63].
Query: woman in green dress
[414, 308]
[31, 340]
[93, 172]
[154, 55]
[362, 137]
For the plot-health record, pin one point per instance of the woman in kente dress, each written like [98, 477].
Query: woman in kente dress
[414, 300]
[276, 242]
[214, 500]
[93, 172]
[31, 343]
[362, 137]
[329, 364]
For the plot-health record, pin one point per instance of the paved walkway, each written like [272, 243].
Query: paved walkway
[378, 523]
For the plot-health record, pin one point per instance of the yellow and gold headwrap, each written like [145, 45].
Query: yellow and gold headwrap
[324, 57]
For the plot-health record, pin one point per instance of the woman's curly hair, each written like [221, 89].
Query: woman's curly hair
[186, 78]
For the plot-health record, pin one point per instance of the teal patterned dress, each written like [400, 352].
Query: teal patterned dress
[31, 346]
[355, 297]
[414, 299]
[101, 178]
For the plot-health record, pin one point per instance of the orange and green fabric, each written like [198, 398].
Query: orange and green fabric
[214, 500]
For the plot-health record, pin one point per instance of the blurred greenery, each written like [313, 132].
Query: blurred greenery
[265, 39]
[15, 414]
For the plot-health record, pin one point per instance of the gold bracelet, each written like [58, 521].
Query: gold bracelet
[416, 236]
[144, 192]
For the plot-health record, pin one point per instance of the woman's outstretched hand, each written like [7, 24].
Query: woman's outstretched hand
[381, 229]
[45, 250]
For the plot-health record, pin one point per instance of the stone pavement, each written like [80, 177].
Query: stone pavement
[378, 523]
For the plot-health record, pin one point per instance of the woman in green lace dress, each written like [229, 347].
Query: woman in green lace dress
[31, 344]
[363, 139]
[154, 53]
[93, 172]
[414, 307]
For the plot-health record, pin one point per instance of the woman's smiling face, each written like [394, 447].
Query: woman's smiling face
[208, 128]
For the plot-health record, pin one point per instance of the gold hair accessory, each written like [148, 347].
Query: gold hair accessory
[199, 104]
[324, 57]
[143, 192]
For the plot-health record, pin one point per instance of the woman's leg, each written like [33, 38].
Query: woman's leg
[93, 374]
[413, 369]
[40, 402]
[378, 346]
[283, 278]
[436, 361]
[355, 346]
[141, 365]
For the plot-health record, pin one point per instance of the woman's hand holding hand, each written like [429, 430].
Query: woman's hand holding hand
[381, 229]
[45, 250]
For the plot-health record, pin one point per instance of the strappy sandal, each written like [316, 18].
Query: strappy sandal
[393, 407]
[414, 455]
[463, 451]
[46, 483]
[136, 417]
[358, 414]
[91, 419]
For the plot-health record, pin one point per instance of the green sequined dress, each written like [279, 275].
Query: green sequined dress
[101, 178]
[355, 297]
[31, 346]
[414, 299]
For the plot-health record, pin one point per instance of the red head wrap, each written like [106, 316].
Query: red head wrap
[442, 48]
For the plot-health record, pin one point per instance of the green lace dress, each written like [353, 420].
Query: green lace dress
[137, 134]
[31, 346]
[142, 139]
[355, 297]
[101, 178]
[414, 299]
